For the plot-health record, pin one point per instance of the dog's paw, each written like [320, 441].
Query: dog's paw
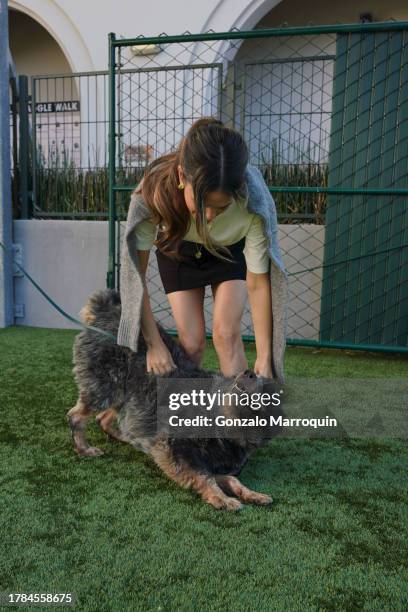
[90, 451]
[233, 504]
[261, 499]
[225, 503]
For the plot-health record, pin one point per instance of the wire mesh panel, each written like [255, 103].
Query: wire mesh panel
[277, 87]
[70, 144]
[168, 101]
[286, 109]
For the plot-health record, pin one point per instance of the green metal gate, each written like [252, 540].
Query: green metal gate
[323, 110]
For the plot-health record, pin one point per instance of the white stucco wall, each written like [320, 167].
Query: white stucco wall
[33, 49]
[81, 28]
[68, 260]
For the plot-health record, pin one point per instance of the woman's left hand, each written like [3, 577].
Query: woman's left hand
[263, 367]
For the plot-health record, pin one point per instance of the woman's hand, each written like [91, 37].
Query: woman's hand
[159, 359]
[263, 367]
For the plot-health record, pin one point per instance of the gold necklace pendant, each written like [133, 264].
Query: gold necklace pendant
[198, 252]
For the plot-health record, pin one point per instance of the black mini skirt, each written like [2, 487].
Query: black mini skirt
[193, 271]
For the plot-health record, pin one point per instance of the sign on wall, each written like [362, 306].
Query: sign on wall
[62, 106]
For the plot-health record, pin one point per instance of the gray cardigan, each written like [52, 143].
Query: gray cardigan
[260, 202]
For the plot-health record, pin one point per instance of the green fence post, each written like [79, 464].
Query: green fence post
[23, 148]
[14, 145]
[110, 279]
[34, 156]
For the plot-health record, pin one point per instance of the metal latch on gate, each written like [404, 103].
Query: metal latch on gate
[17, 257]
[19, 311]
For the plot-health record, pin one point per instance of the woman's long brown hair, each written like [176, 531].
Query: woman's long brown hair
[213, 158]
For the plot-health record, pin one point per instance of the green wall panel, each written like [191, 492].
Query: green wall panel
[365, 301]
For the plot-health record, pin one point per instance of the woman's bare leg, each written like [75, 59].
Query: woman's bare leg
[188, 312]
[229, 303]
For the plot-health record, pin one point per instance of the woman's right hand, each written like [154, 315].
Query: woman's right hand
[159, 359]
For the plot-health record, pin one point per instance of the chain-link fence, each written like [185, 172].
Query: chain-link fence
[324, 112]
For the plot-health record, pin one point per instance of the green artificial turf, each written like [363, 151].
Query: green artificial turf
[121, 536]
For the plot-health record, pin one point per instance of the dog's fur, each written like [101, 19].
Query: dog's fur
[114, 384]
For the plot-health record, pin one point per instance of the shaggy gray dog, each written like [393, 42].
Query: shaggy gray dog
[114, 385]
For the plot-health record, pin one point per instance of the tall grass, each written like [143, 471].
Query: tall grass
[278, 172]
[65, 190]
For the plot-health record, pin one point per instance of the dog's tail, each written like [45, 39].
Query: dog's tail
[101, 308]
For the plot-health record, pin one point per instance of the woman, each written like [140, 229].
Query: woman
[202, 202]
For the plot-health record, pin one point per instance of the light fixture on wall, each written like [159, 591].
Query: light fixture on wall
[146, 49]
[366, 17]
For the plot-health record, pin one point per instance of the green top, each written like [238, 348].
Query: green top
[227, 228]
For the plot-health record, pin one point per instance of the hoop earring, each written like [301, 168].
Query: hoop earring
[180, 186]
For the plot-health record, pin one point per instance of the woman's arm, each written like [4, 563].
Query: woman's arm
[147, 324]
[259, 294]
[158, 357]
